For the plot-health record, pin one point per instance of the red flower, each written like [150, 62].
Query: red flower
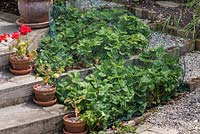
[15, 35]
[24, 29]
[2, 37]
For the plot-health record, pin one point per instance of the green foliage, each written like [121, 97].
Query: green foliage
[51, 64]
[85, 36]
[115, 92]
[193, 26]
[59, 2]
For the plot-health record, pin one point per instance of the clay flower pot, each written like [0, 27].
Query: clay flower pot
[72, 125]
[20, 66]
[44, 94]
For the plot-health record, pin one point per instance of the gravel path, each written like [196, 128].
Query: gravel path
[183, 115]
[192, 65]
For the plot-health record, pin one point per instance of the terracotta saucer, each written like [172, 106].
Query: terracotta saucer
[45, 104]
[65, 132]
[21, 72]
[32, 25]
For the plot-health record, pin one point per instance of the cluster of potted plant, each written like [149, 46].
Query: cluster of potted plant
[22, 57]
[45, 92]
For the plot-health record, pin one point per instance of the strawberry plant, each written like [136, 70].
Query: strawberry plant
[114, 92]
[94, 35]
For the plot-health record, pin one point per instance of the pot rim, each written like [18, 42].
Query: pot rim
[13, 59]
[44, 91]
[71, 115]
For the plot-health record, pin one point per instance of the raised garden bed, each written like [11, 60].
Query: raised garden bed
[102, 43]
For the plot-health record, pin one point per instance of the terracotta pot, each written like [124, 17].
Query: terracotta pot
[44, 94]
[21, 72]
[65, 132]
[34, 11]
[20, 64]
[73, 127]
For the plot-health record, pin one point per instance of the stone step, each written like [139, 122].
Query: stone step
[18, 89]
[28, 118]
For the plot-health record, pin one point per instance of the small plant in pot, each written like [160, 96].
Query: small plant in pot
[22, 57]
[45, 91]
[73, 122]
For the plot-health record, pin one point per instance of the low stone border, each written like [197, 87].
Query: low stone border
[197, 44]
[137, 120]
[194, 83]
[178, 51]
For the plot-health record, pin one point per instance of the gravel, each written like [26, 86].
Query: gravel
[183, 115]
[191, 62]
[85, 4]
[167, 41]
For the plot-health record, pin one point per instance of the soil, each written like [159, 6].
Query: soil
[73, 119]
[9, 6]
[44, 87]
[179, 12]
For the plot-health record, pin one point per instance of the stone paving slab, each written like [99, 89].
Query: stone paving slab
[7, 27]
[8, 17]
[28, 118]
[149, 128]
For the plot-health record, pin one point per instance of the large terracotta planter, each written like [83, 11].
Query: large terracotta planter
[34, 11]
[73, 127]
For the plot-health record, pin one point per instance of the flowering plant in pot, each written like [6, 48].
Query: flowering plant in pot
[22, 57]
[45, 91]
